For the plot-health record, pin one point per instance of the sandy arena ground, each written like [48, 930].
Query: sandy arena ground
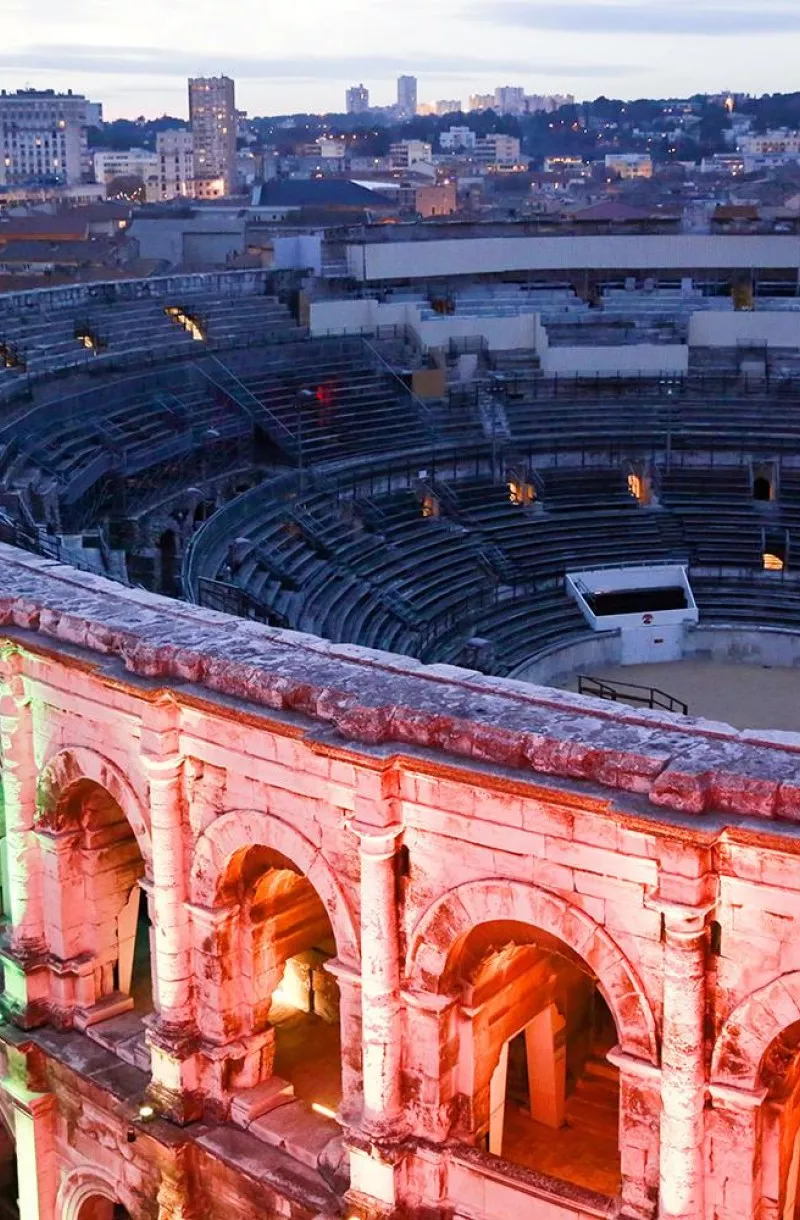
[746, 696]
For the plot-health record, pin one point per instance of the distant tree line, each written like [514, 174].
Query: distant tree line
[588, 129]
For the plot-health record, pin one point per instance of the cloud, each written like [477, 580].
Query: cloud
[698, 18]
[157, 62]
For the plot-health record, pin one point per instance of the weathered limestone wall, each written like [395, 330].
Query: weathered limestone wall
[420, 803]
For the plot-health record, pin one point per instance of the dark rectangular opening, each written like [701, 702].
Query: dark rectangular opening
[637, 601]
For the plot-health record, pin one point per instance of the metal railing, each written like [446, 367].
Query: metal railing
[631, 692]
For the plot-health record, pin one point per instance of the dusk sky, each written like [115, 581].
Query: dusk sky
[289, 57]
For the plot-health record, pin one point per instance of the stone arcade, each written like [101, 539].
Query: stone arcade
[539, 955]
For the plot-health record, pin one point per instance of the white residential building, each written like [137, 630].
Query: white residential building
[498, 149]
[457, 138]
[546, 103]
[481, 101]
[630, 165]
[509, 99]
[405, 154]
[43, 137]
[130, 163]
[781, 143]
[448, 106]
[175, 151]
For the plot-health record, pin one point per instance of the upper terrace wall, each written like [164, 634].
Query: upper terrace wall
[623, 360]
[683, 253]
[765, 329]
[617, 834]
[71, 296]
[360, 316]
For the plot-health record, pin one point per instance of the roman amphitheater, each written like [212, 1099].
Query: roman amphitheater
[400, 736]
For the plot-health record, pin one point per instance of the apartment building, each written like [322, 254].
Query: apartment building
[357, 99]
[131, 163]
[175, 151]
[630, 165]
[405, 154]
[43, 137]
[406, 96]
[212, 115]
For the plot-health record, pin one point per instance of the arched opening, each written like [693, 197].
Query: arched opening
[780, 1073]
[106, 909]
[540, 1091]
[9, 1181]
[168, 559]
[98, 1207]
[285, 938]
[202, 512]
[762, 488]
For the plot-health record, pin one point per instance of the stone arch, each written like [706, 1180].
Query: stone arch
[462, 909]
[751, 1028]
[81, 1184]
[240, 829]
[76, 763]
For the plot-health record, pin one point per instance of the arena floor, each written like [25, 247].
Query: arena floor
[746, 696]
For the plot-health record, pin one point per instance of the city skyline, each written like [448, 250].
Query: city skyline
[585, 47]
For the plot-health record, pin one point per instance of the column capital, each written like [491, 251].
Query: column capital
[161, 766]
[11, 663]
[379, 842]
[342, 971]
[428, 1001]
[680, 919]
[632, 1065]
[57, 841]
[212, 918]
[734, 1098]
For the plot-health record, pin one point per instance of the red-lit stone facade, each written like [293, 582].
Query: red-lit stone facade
[477, 919]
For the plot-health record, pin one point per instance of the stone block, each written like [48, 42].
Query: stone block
[249, 1104]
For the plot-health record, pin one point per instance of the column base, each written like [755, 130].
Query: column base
[110, 1006]
[375, 1173]
[24, 1001]
[174, 1089]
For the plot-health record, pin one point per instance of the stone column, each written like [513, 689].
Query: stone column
[26, 976]
[34, 1136]
[683, 1081]
[639, 1109]
[736, 1142]
[174, 1084]
[380, 977]
[231, 1057]
[349, 981]
[73, 981]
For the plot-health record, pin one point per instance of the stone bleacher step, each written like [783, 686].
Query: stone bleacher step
[297, 1130]
[254, 1103]
[110, 1006]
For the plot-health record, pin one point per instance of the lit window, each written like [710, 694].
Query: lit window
[635, 486]
[772, 563]
[521, 493]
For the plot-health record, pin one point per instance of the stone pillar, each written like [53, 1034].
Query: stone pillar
[736, 1144]
[174, 1085]
[683, 1081]
[34, 1135]
[639, 1110]
[231, 1057]
[23, 958]
[73, 981]
[380, 979]
[349, 981]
